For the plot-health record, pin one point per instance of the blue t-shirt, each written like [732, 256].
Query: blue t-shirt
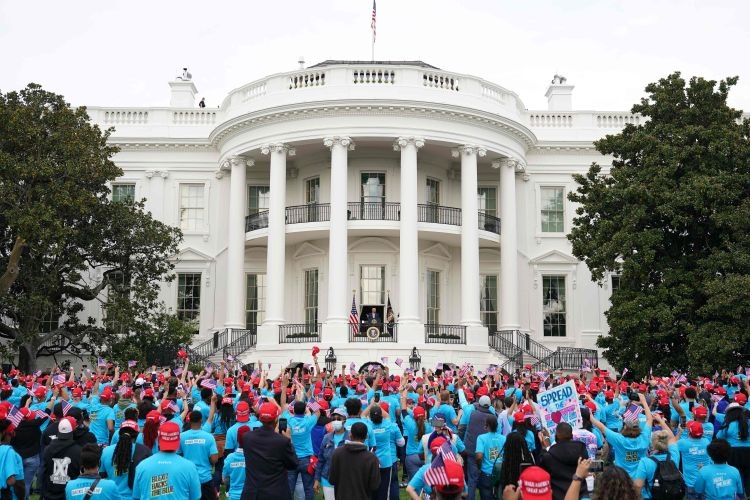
[121, 481]
[231, 439]
[732, 435]
[719, 482]
[197, 446]
[386, 434]
[417, 482]
[234, 469]
[694, 457]
[105, 489]
[629, 451]
[301, 430]
[99, 415]
[11, 464]
[120, 414]
[370, 437]
[166, 476]
[490, 445]
[647, 468]
[203, 408]
[413, 445]
[448, 412]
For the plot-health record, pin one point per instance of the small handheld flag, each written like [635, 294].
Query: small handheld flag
[132, 363]
[100, 362]
[398, 362]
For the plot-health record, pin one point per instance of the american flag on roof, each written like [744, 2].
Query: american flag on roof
[632, 412]
[373, 19]
[354, 317]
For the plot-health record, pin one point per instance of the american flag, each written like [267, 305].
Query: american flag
[384, 360]
[586, 366]
[682, 378]
[15, 416]
[65, 407]
[354, 317]
[414, 384]
[209, 383]
[632, 412]
[58, 379]
[177, 371]
[209, 368]
[132, 363]
[435, 473]
[100, 362]
[398, 362]
[314, 406]
[372, 21]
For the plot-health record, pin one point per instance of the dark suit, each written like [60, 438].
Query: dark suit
[374, 317]
[268, 456]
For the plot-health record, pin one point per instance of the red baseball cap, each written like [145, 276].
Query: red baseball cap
[129, 424]
[436, 443]
[169, 436]
[695, 428]
[385, 406]
[418, 412]
[534, 484]
[700, 411]
[519, 417]
[609, 395]
[454, 473]
[740, 398]
[268, 412]
[243, 411]
[40, 392]
[77, 392]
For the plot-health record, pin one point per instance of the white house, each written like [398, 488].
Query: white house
[371, 182]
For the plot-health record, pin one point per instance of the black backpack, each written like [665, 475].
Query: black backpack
[668, 483]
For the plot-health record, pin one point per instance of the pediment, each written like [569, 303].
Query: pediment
[437, 250]
[372, 244]
[190, 254]
[554, 257]
[308, 250]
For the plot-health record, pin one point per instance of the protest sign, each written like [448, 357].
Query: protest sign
[560, 404]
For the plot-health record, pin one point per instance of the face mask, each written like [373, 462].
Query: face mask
[337, 425]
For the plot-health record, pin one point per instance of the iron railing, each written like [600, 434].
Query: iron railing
[388, 333]
[438, 214]
[299, 332]
[444, 334]
[525, 342]
[503, 345]
[489, 222]
[368, 210]
[256, 221]
[242, 341]
[312, 212]
[570, 358]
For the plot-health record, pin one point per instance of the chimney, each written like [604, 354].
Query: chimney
[183, 91]
[559, 94]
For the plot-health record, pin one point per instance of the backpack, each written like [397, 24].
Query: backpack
[668, 483]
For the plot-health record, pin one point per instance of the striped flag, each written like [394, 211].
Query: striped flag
[65, 407]
[132, 363]
[209, 383]
[58, 379]
[446, 450]
[384, 360]
[586, 365]
[354, 317]
[398, 362]
[314, 406]
[632, 412]
[435, 473]
[100, 362]
[373, 19]
[15, 416]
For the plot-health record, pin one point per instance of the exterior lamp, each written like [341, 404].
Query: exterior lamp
[415, 360]
[330, 360]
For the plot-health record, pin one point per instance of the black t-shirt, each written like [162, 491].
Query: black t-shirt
[28, 439]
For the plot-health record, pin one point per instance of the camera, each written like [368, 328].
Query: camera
[377, 397]
[282, 425]
[596, 466]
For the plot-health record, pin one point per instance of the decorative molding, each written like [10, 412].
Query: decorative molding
[308, 250]
[340, 140]
[158, 173]
[437, 250]
[149, 174]
[227, 165]
[554, 257]
[278, 147]
[468, 149]
[402, 142]
[190, 254]
[372, 244]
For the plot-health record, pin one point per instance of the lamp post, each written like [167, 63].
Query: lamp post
[415, 360]
[330, 360]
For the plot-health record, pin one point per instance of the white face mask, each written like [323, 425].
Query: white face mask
[337, 425]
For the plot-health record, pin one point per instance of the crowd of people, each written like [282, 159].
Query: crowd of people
[448, 433]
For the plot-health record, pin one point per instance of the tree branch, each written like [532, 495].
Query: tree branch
[11, 272]
[7, 332]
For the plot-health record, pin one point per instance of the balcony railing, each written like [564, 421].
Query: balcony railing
[439, 215]
[444, 334]
[256, 221]
[312, 212]
[299, 333]
[489, 223]
[374, 210]
[388, 332]
[242, 341]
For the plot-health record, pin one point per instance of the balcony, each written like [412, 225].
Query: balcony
[256, 221]
[437, 214]
[489, 223]
[444, 334]
[367, 210]
[299, 333]
[312, 212]
[386, 333]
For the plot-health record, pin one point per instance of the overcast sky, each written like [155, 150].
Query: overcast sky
[122, 53]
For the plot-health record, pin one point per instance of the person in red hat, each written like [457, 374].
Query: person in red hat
[268, 457]
[693, 453]
[533, 484]
[166, 475]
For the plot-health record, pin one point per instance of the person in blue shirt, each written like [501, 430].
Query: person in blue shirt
[353, 410]
[102, 418]
[11, 465]
[694, 455]
[415, 426]
[89, 480]
[233, 471]
[489, 451]
[736, 431]
[719, 481]
[166, 475]
[199, 447]
[664, 445]
[337, 437]
[446, 409]
[299, 429]
[119, 461]
[387, 438]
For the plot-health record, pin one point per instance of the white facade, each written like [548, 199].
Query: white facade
[367, 177]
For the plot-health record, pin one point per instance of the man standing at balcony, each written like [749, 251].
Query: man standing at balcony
[374, 316]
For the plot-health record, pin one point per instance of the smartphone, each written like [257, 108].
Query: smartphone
[377, 397]
[282, 425]
[683, 421]
[596, 466]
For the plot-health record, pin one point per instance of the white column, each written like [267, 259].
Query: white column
[409, 244]
[508, 245]
[338, 285]
[469, 234]
[276, 247]
[235, 298]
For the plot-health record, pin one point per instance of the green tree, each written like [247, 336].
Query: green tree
[80, 248]
[673, 218]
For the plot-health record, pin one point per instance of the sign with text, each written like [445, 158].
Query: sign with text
[560, 404]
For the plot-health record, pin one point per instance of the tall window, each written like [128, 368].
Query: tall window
[433, 200]
[50, 322]
[192, 210]
[487, 200]
[488, 301]
[373, 187]
[189, 296]
[433, 297]
[553, 210]
[123, 193]
[255, 300]
[372, 285]
[311, 298]
[312, 190]
[257, 200]
[553, 306]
